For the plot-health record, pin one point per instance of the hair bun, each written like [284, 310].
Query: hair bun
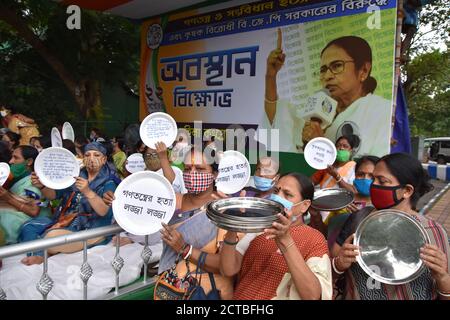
[370, 84]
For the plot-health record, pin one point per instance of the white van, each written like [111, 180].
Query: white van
[438, 149]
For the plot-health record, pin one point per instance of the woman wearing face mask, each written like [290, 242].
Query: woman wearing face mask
[399, 182]
[23, 200]
[342, 173]
[190, 232]
[265, 178]
[339, 175]
[156, 160]
[81, 207]
[290, 260]
[363, 179]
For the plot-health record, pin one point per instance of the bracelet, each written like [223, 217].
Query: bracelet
[270, 101]
[231, 243]
[189, 253]
[333, 264]
[287, 247]
[340, 179]
[444, 294]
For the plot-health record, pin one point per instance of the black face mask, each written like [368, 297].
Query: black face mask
[384, 197]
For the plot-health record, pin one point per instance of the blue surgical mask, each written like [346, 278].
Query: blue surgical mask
[363, 186]
[263, 184]
[286, 203]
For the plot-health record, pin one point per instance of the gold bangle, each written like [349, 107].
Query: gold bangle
[287, 247]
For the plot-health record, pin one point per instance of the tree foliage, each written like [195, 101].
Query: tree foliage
[48, 70]
[426, 75]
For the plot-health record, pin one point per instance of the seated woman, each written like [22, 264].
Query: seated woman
[23, 201]
[81, 207]
[290, 260]
[265, 178]
[399, 182]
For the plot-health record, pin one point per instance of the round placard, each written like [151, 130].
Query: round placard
[234, 172]
[56, 168]
[158, 126]
[320, 152]
[143, 201]
[56, 138]
[4, 172]
[135, 163]
[67, 132]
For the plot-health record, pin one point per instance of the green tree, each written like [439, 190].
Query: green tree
[427, 91]
[426, 73]
[49, 67]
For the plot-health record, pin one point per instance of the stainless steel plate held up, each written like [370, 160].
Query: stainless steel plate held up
[390, 242]
[243, 214]
[332, 199]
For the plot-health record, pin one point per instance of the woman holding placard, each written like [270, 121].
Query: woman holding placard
[190, 232]
[81, 207]
[399, 182]
[342, 173]
[289, 260]
[23, 200]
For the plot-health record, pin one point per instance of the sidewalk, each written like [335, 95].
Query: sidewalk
[440, 212]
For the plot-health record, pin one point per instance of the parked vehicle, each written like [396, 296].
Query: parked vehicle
[438, 149]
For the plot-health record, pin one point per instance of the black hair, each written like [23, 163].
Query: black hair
[34, 138]
[69, 145]
[109, 149]
[305, 184]
[45, 141]
[211, 160]
[81, 140]
[409, 170]
[29, 152]
[121, 141]
[97, 131]
[14, 137]
[365, 159]
[359, 50]
[352, 139]
[5, 153]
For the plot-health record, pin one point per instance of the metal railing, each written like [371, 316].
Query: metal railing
[45, 284]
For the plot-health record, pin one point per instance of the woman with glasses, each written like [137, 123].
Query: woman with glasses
[345, 73]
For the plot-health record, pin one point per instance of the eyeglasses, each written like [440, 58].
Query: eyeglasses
[151, 155]
[335, 67]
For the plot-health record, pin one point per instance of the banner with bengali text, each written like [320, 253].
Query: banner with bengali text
[210, 65]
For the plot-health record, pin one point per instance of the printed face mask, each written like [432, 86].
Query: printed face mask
[196, 182]
[152, 162]
[93, 163]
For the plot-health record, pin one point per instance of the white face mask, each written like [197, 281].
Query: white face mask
[3, 113]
